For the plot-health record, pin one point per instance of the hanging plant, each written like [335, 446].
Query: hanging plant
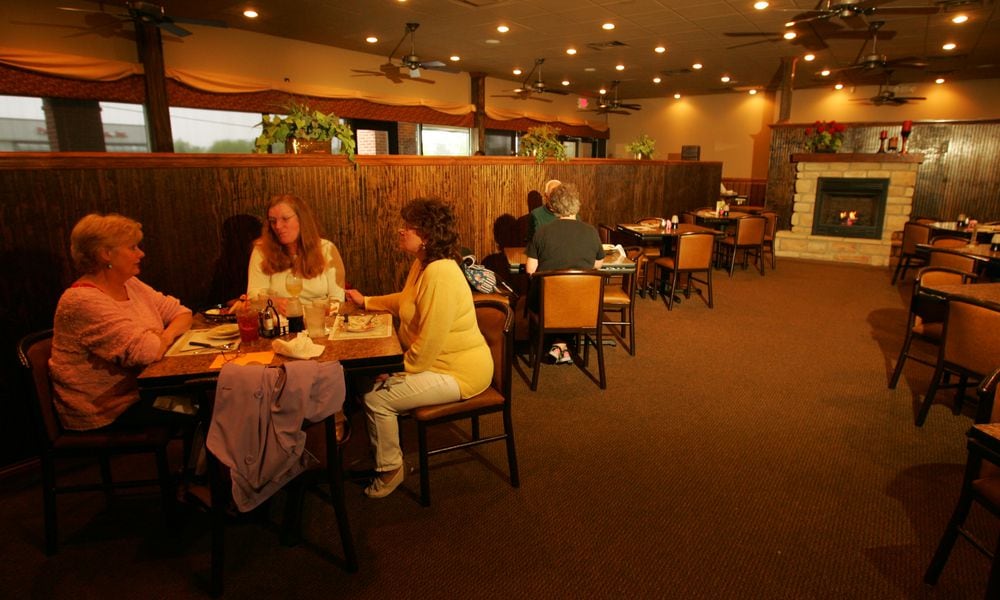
[303, 123]
[542, 142]
[643, 147]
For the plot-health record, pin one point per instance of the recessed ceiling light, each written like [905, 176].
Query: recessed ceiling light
[608, 26]
[492, 41]
[697, 66]
[677, 96]
[949, 46]
[251, 13]
[503, 28]
[752, 92]
[824, 73]
[839, 86]
[760, 5]
[517, 71]
[619, 67]
[939, 80]
[571, 51]
[589, 69]
[371, 39]
[725, 79]
[565, 81]
[454, 58]
[809, 57]
[602, 91]
[959, 19]
[659, 49]
[790, 35]
[789, 24]
[657, 80]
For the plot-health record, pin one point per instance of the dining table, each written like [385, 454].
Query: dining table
[615, 263]
[984, 231]
[652, 235]
[987, 260]
[982, 294]
[182, 372]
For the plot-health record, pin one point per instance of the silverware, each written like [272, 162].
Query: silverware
[203, 347]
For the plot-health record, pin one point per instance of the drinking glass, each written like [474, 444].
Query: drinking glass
[293, 284]
[315, 314]
[246, 320]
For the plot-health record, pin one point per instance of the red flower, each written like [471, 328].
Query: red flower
[809, 131]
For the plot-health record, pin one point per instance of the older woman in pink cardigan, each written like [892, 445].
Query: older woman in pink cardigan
[108, 325]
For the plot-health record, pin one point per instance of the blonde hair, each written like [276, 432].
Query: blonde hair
[96, 232]
[310, 261]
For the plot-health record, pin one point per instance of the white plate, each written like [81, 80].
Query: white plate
[224, 332]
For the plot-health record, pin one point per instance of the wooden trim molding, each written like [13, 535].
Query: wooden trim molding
[885, 157]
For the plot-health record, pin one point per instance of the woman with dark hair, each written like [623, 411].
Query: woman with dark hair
[107, 327]
[290, 243]
[446, 358]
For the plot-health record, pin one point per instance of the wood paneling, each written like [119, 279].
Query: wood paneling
[199, 214]
[960, 172]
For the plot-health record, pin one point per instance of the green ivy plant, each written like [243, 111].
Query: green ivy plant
[542, 142]
[305, 124]
[644, 145]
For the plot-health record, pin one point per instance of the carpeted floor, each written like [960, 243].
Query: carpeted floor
[750, 451]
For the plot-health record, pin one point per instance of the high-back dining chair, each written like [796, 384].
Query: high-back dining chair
[619, 299]
[769, 231]
[954, 260]
[496, 320]
[748, 237]
[57, 443]
[927, 314]
[913, 233]
[570, 302]
[949, 241]
[693, 253]
[981, 484]
[971, 350]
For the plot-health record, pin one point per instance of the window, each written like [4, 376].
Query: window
[213, 131]
[124, 127]
[436, 140]
[22, 125]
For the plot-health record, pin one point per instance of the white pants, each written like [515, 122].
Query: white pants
[398, 394]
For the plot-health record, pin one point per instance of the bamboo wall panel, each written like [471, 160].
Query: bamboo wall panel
[200, 214]
[960, 172]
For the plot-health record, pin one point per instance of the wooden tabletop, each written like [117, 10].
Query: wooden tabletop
[652, 233]
[361, 355]
[980, 252]
[983, 294]
[616, 263]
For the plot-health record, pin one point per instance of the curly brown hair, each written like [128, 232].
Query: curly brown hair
[434, 222]
[310, 261]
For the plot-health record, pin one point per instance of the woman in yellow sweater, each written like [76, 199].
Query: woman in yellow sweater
[446, 358]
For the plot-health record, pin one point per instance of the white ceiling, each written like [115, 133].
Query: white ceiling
[691, 30]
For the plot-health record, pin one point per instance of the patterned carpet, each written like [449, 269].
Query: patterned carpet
[750, 451]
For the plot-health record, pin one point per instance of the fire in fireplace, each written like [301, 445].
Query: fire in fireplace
[850, 207]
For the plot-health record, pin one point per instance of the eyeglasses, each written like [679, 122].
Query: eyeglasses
[231, 355]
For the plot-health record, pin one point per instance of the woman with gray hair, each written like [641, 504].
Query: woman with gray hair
[109, 325]
[565, 243]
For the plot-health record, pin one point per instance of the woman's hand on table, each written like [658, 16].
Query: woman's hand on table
[356, 297]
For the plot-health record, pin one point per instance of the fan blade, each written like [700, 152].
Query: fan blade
[631, 106]
[772, 40]
[551, 91]
[751, 34]
[431, 64]
[908, 10]
[856, 22]
[173, 28]
[203, 22]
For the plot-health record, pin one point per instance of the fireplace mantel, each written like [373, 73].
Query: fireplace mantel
[885, 157]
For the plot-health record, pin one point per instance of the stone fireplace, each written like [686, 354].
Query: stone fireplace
[846, 206]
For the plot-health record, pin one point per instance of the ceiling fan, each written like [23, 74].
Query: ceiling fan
[869, 62]
[811, 35]
[887, 96]
[154, 14]
[852, 13]
[410, 63]
[529, 88]
[613, 105]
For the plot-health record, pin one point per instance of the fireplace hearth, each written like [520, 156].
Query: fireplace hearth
[850, 207]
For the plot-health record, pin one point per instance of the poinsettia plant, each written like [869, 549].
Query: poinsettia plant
[825, 136]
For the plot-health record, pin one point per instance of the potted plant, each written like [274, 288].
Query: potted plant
[642, 147]
[305, 130]
[542, 142]
[825, 137]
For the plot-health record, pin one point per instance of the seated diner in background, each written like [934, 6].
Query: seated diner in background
[290, 244]
[542, 214]
[565, 243]
[445, 358]
[108, 326]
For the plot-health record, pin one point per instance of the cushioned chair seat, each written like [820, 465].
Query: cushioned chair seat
[490, 397]
[615, 296]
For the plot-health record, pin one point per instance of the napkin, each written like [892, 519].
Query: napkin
[298, 347]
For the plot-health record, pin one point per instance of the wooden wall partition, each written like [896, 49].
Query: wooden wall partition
[200, 213]
[960, 172]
